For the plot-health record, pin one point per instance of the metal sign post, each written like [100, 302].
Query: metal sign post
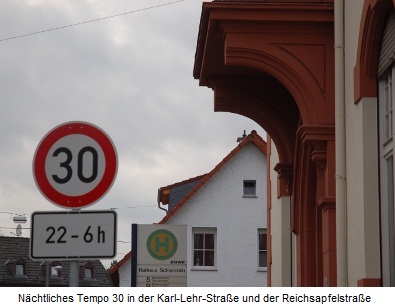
[74, 273]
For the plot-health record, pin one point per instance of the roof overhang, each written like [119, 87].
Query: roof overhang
[271, 61]
[219, 18]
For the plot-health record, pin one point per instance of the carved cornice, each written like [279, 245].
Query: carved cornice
[317, 137]
[328, 202]
[313, 134]
[285, 174]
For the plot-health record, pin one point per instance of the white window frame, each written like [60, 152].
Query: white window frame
[261, 231]
[205, 231]
[386, 102]
[246, 193]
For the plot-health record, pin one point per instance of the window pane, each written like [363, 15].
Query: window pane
[209, 258]
[249, 188]
[262, 241]
[209, 241]
[262, 248]
[198, 240]
[388, 107]
[88, 273]
[390, 181]
[391, 222]
[262, 259]
[19, 269]
[198, 258]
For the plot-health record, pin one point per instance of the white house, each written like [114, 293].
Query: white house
[226, 216]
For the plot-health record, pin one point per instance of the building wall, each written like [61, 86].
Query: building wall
[296, 106]
[361, 164]
[125, 272]
[315, 138]
[280, 215]
[219, 203]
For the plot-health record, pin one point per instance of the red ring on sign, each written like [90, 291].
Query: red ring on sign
[101, 188]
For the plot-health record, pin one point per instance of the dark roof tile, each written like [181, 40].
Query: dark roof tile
[18, 248]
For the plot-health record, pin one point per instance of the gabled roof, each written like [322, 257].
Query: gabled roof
[173, 193]
[253, 138]
[16, 248]
[120, 263]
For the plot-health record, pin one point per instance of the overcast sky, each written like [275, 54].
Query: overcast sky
[131, 76]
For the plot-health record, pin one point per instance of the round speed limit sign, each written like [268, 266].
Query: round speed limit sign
[75, 165]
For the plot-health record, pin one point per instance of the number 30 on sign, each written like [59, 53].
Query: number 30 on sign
[75, 165]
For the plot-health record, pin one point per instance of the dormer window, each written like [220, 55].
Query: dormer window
[89, 273]
[87, 270]
[17, 267]
[56, 269]
[20, 269]
[55, 272]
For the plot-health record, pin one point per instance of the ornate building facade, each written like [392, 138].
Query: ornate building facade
[317, 76]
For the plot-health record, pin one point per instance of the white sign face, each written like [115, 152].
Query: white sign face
[73, 234]
[85, 169]
[161, 256]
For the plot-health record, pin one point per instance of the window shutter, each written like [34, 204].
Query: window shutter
[387, 48]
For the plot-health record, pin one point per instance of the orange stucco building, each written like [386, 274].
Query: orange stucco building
[275, 62]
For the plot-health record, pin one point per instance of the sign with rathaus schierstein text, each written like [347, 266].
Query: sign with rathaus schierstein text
[159, 255]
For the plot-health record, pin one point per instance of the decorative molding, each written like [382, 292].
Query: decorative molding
[313, 134]
[369, 282]
[317, 137]
[371, 27]
[285, 176]
[328, 202]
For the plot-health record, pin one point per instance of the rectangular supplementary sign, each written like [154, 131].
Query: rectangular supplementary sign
[159, 255]
[73, 234]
